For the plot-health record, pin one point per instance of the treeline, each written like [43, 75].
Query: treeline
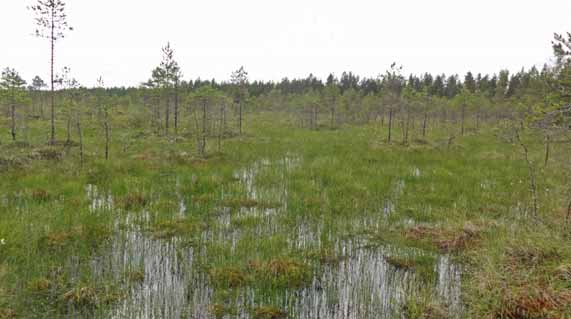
[166, 103]
[501, 85]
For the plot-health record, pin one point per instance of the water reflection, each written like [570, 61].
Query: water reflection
[171, 284]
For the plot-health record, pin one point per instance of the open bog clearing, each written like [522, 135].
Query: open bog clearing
[131, 192]
[285, 223]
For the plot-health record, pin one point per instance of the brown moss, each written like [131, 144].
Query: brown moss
[143, 157]
[239, 203]
[325, 256]
[269, 312]
[199, 161]
[81, 296]
[447, 240]
[180, 227]
[283, 266]
[255, 265]
[40, 195]
[59, 239]
[133, 200]
[286, 272]
[12, 162]
[401, 262]
[236, 203]
[563, 272]
[110, 297]
[90, 297]
[49, 153]
[3, 272]
[528, 302]
[420, 141]
[39, 285]
[202, 199]
[7, 313]
[228, 277]
[434, 312]
[282, 272]
[527, 256]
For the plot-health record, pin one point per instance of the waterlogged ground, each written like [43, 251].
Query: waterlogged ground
[286, 224]
[359, 281]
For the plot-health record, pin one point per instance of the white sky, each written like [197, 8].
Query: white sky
[121, 39]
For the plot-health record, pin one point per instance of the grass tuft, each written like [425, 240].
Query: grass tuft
[269, 312]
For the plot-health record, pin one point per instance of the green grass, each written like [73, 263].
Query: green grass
[466, 200]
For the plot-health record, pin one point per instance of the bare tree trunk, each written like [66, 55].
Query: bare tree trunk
[406, 128]
[332, 116]
[167, 112]
[221, 127]
[223, 118]
[159, 115]
[403, 126]
[312, 116]
[41, 106]
[463, 116]
[80, 137]
[240, 116]
[197, 127]
[203, 147]
[53, 114]
[532, 180]
[424, 124]
[315, 117]
[451, 140]
[547, 148]
[13, 112]
[390, 124]
[13, 115]
[106, 126]
[68, 140]
[176, 108]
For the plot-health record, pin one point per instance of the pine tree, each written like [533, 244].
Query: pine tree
[15, 94]
[51, 22]
[37, 87]
[239, 79]
[470, 83]
[502, 84]
[170, 74]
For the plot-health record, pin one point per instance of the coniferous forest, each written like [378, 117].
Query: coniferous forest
[397, 196]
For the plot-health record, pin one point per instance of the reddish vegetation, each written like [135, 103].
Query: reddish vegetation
[229, 276]
[446, 240]
[563, 272]
[40, 195]
[133, 200]
[268, 312]
[528, 257]
[6, 313]
[534, 302]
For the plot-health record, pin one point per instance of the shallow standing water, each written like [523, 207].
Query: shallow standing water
[172, 284]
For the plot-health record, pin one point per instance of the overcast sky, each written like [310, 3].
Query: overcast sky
[121, 39]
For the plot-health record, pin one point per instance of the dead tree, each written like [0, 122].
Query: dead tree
[531, 171]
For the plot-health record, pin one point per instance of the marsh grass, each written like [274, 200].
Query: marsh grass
[276, 211]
